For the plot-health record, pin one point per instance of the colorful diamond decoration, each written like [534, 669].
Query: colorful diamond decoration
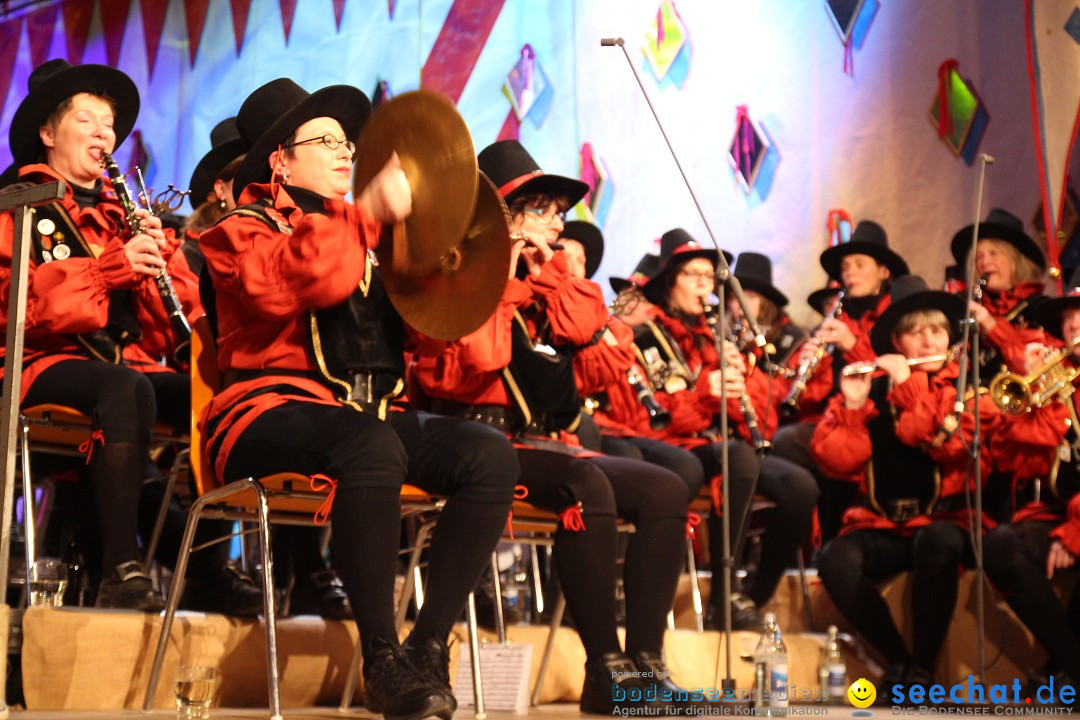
[528, 89]
[752, 154]
[852, 20]
[966, 115]
[1073, 25]
[596, 204]
[667, 46]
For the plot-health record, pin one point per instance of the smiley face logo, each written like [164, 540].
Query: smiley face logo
[862, 693]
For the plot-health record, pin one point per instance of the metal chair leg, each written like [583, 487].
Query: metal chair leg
[474, 657]
[538, 590]
[350, 679]
[268, 602]
[29, 530]
[695, 586]
[549, 646]
[809, 611]
[410, 578]
[175, 591]
[163, 511]
[500, 618]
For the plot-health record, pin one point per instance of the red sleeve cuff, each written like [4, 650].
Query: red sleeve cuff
[112, 269]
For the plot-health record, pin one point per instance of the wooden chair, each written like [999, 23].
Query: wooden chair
[285, 498]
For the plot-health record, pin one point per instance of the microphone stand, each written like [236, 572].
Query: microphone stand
[969, 323]
[723, 277]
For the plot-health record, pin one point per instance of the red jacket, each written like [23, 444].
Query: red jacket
[71, 296]
[821, 383]
[266, 282]
[694, 410]
[841, 444]
[469, 370]
[1009, 339]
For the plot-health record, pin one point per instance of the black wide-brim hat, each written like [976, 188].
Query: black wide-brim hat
[1048, 313]
[56, 80]
[591, 239]
[868, 238]
[819, 299]
[515, 173]
[754, 272]
[677, 247]
[910, 293]
[646, 269]
[275, 110]
[999, 225]
[226, 145]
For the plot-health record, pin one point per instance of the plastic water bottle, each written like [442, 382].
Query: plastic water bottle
[771, 671]
[832, 672]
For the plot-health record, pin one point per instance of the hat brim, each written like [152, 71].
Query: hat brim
[591, 239]
[1023, 242]
[656, 288]
[24, 135]
[832, 258]
[551, 185]
[619, 284]
[210, 166]
[344, 103]
[1048, 314]
[819, 298]
[765, 289]
[882, 332]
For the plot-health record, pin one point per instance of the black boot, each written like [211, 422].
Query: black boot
[613, 683]
[394, 688]
[229, 592]
[323, 595]
[680, 701]
[744, 615]
[128, 587]
[432, 658]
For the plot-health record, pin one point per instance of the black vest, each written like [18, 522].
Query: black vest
[540, 381]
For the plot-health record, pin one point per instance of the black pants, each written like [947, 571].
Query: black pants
[650, 497]
[853, 564]
[1015, 560]
[679, 461]
[369, 459]
[792, 443]
[123, 405]
[794, 494]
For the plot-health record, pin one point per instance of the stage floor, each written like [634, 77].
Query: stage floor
[552, 711]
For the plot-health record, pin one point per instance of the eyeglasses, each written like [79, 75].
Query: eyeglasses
[708, 276]
[546, 215]
[328, 140]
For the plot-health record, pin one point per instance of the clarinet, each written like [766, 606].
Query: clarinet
[180, 326]
[659, 416]
[789, 408]
[746, 406]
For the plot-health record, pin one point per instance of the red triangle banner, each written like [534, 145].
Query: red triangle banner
[77, 14]
[339, 12]
[153, 22]
[114, 14]
[40, 26]
[195, 12]
[9, 48]
[511, 127]
[240, 10]
[288, 11]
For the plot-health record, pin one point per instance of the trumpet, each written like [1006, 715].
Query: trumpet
[1016, 395]
[789, 408]
[869, 367]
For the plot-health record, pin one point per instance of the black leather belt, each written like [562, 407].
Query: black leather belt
[497, 416]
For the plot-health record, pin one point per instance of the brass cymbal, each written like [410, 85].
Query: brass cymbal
[468, 281]
[436, 153]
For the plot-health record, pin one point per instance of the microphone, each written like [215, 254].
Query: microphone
[608, 42]
[989, 160]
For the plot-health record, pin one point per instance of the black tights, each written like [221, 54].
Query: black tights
[792, 443]
[852, 564]
[651, 498]
[123, 405]
[1015, 560]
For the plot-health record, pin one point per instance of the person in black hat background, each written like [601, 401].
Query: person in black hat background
[682, 337]
[312, 354]
[865, 268]
[884, 434]
[792, 488]
[1043, 538]
[96, 326]
[211, 187]
[1011, 265]
[517, 373]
